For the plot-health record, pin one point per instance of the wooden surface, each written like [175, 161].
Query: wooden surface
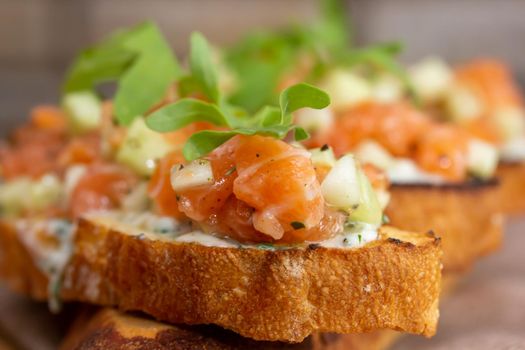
[487, 310]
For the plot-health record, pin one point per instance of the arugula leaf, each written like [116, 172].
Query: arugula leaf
[202, 67]
[301, 96]
[333, 29]
[203, 142]
[260, 61]
[184, 112]
[269, 121]
[145, 83]
[139, 59]
[94, 66]
[268, 115]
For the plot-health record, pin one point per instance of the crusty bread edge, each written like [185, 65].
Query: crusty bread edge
[466, 217]
[512, 189]
[266, 295]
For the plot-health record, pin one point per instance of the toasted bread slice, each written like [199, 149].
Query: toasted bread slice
[111, 329]
[276, 295]
[512, 188]
[465, 216]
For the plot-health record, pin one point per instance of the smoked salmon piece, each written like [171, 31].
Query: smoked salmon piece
[264, 190]
[491, 81]
[102, 187]
[396, 126]
[443, 150]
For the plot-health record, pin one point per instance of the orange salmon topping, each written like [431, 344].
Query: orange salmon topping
[48, 117]
[103, 187]
[492, 82]
[404, 132]
[442, 150]
[264, 190]
[159, 188]
[396, 126]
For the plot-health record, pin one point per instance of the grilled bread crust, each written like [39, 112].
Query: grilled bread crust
[466, 216]
[512, 189]
[274, 295]
[111, 329]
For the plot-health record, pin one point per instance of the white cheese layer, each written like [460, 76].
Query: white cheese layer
[50, 259]
[406, 171]
[149, 226]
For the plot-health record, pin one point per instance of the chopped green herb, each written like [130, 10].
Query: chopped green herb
[297, 225]
[360, 238]
[266, 246]
[350, 224]
[231, 170]
[385, 219]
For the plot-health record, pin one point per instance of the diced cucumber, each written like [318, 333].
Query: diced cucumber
[26, 194]
[482, 158]
[142, 147]
[431, 78]
[387, 88]
[323, 157]
[346, 89]
[84, 111]
[45, 192]
[510, 122]
[383, 197]
[11, 200]
[513, 150]
[462, 104]
[368, 210]
[195, 174]
[137, 201]
[373, 153]
[315, 120]
[340, 187]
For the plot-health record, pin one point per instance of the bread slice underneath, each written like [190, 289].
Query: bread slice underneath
[112, 329]
[274, 295]
[512, 187]
[466, 216]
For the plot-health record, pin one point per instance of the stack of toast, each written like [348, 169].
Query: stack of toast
[191, 218]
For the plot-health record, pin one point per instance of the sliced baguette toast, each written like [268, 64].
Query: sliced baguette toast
[391, 283]
[111, 329]
[465, 216]
[512, 189]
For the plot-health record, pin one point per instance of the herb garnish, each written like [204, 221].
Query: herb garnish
[297, 225]
[231, 170]
[269, 121]
[139, 60]
[262, 59]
